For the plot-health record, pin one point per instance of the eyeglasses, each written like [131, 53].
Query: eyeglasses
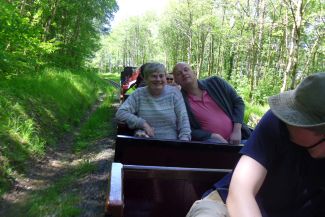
[169, 79]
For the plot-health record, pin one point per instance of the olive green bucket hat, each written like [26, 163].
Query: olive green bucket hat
[303, 106]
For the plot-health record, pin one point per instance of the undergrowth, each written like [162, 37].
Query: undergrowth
[98, 125]
[36, 110]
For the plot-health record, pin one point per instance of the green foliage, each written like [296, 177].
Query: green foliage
[226, 38]
[37, 109]
[98, 126]
[18, 41]
[132, 43]
[111, 76]
[42, 33]
[239, 82]
[268, 85]
[253, 113]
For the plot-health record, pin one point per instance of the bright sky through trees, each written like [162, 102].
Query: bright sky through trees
[128, 8]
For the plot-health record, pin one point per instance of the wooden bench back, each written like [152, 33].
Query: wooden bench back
[155, 191]
[176, 153]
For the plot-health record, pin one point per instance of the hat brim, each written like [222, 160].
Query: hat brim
[289, 111]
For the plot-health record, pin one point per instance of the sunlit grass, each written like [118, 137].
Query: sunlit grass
[253, 113]
[111, 76]
[23, 131]
[37, 109]
[99, 124]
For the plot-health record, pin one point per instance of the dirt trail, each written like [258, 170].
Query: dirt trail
[55, 164]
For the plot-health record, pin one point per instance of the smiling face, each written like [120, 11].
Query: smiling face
[184, 75]
[156, 82]
[311, 140]
[155, 77]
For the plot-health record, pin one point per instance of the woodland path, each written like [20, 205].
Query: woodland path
[56, 164]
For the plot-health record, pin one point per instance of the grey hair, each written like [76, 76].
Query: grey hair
[153, 67]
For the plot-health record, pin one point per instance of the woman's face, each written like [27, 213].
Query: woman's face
[313, 141]
[156, 82]
[170, 79]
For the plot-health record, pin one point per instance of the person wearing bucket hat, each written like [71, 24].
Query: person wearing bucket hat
[304, 106]
[282, 169]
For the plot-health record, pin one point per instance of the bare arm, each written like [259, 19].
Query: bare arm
[246, 181]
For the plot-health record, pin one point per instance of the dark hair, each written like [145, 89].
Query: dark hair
[140, 79]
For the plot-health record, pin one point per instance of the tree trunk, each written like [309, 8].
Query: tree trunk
[190, 34]
[218, 68]
[285, 73]
[311, 55]
[211, 56]
[49, 21]
[260, 40]
[291, 68]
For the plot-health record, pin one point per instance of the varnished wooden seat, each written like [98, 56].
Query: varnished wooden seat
[175, 153]
[156, 191]
[162, 178]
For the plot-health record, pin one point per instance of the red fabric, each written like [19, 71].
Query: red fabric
[210, 116]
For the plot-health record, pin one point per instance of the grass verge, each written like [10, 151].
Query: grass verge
[36, 110]
[99, 125]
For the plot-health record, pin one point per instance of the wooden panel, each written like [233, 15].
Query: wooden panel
[114, 202]
[164, 191]
[139, 151]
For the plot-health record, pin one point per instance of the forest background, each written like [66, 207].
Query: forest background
[262, 47]
[53, 54]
